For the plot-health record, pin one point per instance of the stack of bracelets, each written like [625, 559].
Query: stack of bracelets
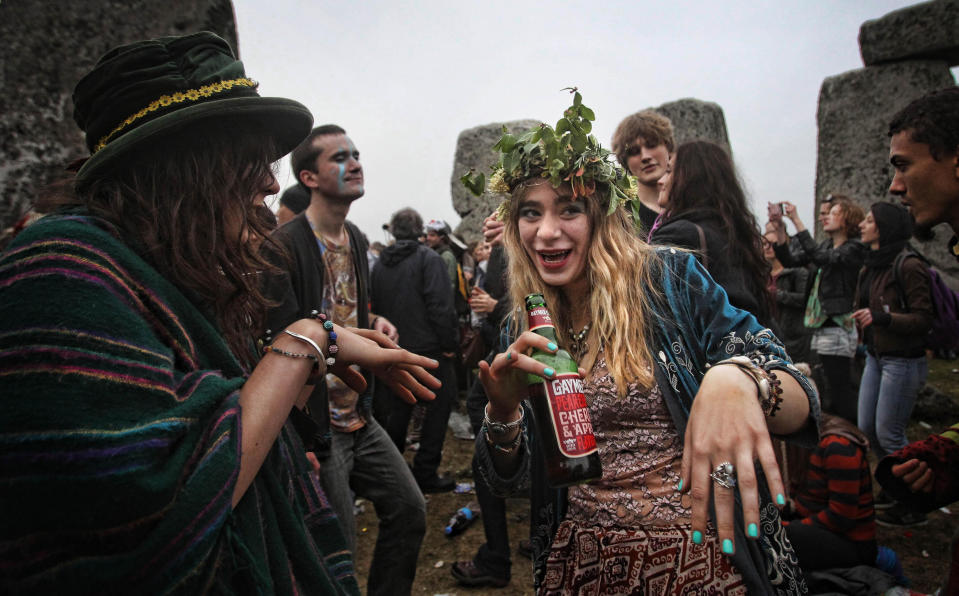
[768, 385]
[331, 348]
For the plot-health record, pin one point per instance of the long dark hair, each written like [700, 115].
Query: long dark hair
[704, 181]
[186, 205]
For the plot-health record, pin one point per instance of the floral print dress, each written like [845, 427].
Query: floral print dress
[629, 532]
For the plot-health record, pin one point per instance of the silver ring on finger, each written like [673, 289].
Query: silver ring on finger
[724, 475]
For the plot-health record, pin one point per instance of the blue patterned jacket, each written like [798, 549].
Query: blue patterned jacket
[694, 327]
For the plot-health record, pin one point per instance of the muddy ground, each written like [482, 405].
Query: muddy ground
[924, 550]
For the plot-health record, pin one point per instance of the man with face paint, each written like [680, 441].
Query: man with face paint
[328, 271]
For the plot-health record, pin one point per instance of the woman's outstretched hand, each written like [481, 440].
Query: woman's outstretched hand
[727, 425]
[403, 371]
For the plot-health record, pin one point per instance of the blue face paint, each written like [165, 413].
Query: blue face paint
[339, 178]
[349, 150]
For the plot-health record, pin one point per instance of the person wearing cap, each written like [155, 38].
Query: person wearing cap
[438, 238]
[292, 202]
[328, 270]
[145, 435]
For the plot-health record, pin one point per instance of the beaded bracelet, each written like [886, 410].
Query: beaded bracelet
[331, 348]
[775, 392]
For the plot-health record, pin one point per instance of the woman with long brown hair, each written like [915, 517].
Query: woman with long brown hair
[671, 373]
[145, 437]
[705, 210]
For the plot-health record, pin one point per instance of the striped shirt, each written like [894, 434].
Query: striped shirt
[120, 438]
[837, 493]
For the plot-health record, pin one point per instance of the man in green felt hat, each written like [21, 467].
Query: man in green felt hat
[145, 438]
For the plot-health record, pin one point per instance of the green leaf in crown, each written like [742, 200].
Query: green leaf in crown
[565, 154]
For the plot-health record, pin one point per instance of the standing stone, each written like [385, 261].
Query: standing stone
[696, 120]
[855, 108]
[474, 150]
[929, 30]
[47, 47]
[692, 119]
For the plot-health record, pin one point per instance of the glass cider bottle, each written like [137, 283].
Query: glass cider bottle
[563, 425]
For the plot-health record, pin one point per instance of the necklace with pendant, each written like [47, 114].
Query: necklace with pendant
[578, 343]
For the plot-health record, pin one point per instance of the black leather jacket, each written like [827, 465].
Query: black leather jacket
[840, 268]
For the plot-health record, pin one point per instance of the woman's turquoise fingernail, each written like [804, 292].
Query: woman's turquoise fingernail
[680, 485]
[549, 372]
[780, 499]
[509, 355]
[753, 531]
[697, 537]
[728, 546]
[551, 347]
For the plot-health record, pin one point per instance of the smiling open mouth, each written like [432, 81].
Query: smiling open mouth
[554, 257]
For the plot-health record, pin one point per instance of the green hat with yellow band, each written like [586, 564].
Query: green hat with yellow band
[145, 90]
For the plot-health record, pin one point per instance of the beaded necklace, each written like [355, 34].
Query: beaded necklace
[578, 343]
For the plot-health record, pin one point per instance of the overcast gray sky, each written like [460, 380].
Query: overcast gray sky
[404, 78]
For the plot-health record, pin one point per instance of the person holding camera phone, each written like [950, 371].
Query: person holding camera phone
[830, 303]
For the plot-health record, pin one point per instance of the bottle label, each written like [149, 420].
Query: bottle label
[571, 422]
[539, 318]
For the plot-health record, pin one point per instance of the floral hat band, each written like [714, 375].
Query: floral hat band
[160, 88]
[565, 154]
[164, 101]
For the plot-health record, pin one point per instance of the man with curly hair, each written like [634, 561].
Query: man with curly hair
[644, 145]
[924, 151]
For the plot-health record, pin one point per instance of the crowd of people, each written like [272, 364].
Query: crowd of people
[197, 388]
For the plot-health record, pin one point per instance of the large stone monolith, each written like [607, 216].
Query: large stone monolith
[474, 150]
[696, 120]
[47, 47]
[929, 30]
[855, 108]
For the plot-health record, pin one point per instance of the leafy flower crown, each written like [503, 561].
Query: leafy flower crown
[568, 153]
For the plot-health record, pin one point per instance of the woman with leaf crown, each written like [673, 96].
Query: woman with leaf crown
[683, 390]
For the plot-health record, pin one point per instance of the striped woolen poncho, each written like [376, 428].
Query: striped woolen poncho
[120, 438]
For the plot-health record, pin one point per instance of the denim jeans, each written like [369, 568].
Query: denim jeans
[887, 394]
[367, 462]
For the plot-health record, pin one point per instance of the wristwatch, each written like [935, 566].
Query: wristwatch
[500, 429]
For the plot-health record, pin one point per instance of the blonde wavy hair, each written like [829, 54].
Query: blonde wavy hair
[619, 270]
